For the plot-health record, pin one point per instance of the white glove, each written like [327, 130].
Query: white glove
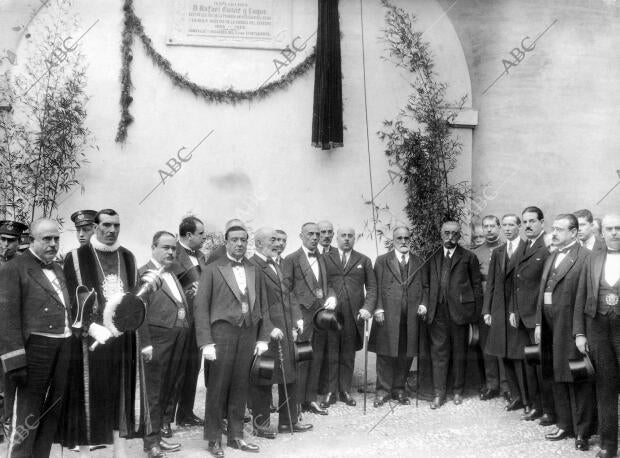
[261, 347]
[364, 314]
[330, 303]
[147, 353]
[277, 334]
[300, 326]
[208, 352]
[422, 310]
[100, 333]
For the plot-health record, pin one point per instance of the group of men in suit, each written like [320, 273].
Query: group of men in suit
[74, 376]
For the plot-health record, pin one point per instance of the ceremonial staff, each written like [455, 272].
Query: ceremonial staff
[288, 406]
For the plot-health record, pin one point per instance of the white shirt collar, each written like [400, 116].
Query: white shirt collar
[185, 246]
[99, 246]
[306, 250]
[399, 256]
[261, 256]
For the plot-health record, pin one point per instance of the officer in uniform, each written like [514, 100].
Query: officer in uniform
[84, 221]
[10, 231]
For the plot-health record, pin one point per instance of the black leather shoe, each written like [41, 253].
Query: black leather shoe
[458, 399]
[515, 404]
[215, 449]
[242, 445]
[264, 433]
[532, 415]
[437, 402]
[507, 397]
[297, 428]
[488, 394]
[314, 408]
[581, 444]
[403, 399]
[169, 447]
[546, 420]
[190, 421]
[347, 398]
[557, 435]
[155, 452]
[166, 431]
[330, 399]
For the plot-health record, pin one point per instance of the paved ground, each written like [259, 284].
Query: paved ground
[473, 429]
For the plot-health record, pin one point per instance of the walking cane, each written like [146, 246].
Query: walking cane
[417, 377]
[288, 406]
[365, 363]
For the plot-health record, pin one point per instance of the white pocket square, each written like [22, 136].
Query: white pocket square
[359, 266]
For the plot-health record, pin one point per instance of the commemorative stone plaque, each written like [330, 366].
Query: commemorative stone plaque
[231, 23]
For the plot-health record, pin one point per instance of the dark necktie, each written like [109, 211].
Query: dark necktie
[403, 267]
[344, 260]
[276, 267]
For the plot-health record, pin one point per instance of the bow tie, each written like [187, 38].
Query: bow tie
[613, 251]
[190, 252]
[236, 264]
[48, 266]
[312, 254]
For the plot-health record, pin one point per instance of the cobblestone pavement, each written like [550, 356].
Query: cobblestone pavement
[473, 429]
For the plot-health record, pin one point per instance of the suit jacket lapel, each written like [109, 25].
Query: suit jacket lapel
[456, 257]
[393, 265]
[354, 257]
[307, 270]
[229, 277]
[38, 276]
[515, 258]
[597, 270]
[323, 271]
[250, 279]
[567, 263]
[266, 268]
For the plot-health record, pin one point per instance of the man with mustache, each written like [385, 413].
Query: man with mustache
[84, 222]
[306, 278]
[455, 301]
[528, 271]
[284, 316]
[401, 298]
[326, 235]
[596, 328]
[35, 340]
[488, 366]
[100, 399]
[351, 275]
[164, 341]
[554, 332]
[189, 263]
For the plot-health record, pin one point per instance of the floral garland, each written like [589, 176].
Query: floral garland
[133, 25]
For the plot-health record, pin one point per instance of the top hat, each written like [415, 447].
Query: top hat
[83, 217]
[326, 320]
[262, 367]
[303, 351]
[531, 353]
[581, 369]
[12, 229]
[473, 337]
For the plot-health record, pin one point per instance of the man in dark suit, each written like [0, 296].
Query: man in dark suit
[232, 323]
[349, 273]
[326, 235]
[586, 234]
[504, 340]
[188, 265]
[554, 331]
[284, 317]
[35, 340]
[401, 297]
[596, 327]
[523, 312]
[10, 232]
[164, 341]
[455, 301]
[488, 366]
[306, 279]
[220, 252]
[280, 246]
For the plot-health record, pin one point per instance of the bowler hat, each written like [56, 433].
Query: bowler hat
[326, 320]
[581, 369]
[474, 335]
[531, 353]
[303, 351]
[263, 367]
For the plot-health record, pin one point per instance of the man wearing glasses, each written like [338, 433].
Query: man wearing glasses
[455, 292]
[401, 297]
